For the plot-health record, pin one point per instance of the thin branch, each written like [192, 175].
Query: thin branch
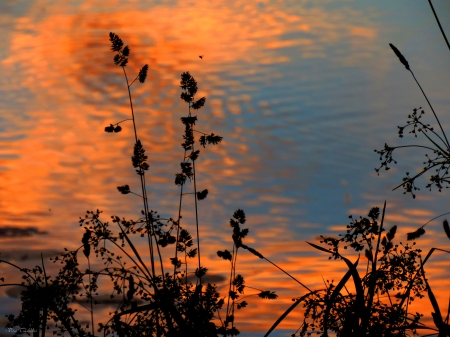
[437, 119]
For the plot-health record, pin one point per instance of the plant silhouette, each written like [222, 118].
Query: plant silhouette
[174, 306]
[159, 300]
[439, 160]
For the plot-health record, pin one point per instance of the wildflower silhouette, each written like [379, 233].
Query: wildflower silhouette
[439, 160]
[152, 301]
[159, 301]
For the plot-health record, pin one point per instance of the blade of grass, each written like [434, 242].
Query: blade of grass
[292, 307]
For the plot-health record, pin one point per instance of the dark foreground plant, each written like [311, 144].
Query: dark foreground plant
[160, 301]
[154, 300]
[439, 161]
[378, 304]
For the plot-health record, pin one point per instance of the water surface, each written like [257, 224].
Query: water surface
[301, 91]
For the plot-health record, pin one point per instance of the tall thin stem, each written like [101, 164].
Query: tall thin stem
[143, 187]
[90, 293]
[440, 27]
[437, 119]
[371, 289]
[196, 217]
[178, 226]
[196, 210]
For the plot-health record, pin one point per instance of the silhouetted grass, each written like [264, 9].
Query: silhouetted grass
[158, 300]
[439, 161]
[173, 305]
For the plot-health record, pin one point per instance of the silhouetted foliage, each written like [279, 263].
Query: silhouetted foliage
[139, 158]
[446, 228]
[155, 302]
[395, 268]
[439, 161]
[125, 189]
[400, 56]
[143, 73]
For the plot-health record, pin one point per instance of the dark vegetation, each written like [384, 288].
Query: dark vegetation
[158, 299]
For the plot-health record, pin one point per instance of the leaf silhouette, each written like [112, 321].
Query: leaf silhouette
[238, 282]
[233, 295]
[268, 294]
[210, 139]
[131, 288]
[188, 138]
[186, 168]
[415, 235]
[124, 62]
[390, 235]
[115, 41]
[202, 195]
[198, 104]
[194, 155]
[242, 304]
[239, 215]
[186, 97]
[226, 255]
[171, 239]
[189, 120]
[189, 84]
[125, 189]
[139, 158]
[446, 228]
[120, 60]
[253, 251]
[192, 253]
[143, 73]
[199, 272]
[176, 262]
[85, 241]
[109, 128]
[400, 56]
[180, 179]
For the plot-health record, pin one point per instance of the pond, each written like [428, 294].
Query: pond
[302, 93]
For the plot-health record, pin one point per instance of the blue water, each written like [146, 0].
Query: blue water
[301, 91]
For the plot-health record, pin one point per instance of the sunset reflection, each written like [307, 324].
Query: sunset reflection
[286, 85]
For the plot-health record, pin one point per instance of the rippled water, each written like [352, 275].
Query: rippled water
[301, 91]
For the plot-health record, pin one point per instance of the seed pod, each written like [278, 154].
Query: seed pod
[446, 228]
[400, 56]
[415, 235]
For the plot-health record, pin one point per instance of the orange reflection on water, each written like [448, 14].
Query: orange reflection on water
[66, 164]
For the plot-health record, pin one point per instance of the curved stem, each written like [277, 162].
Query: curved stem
[128, 119]
[422, 146]
[437, 119]
[441, 149]
[292, 277]
[150, 235]
[416, 176]
[431, 130]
